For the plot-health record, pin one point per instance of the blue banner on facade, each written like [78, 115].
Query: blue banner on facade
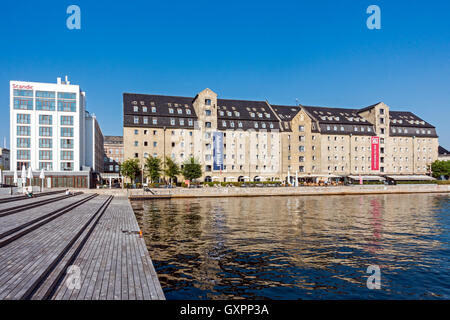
[218, 151]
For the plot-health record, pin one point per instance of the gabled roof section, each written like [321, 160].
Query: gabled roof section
[162, 104]
[407, 119]
[244, 110]
[369, 107]
[336, 115]
[443, 151]
[286, 113]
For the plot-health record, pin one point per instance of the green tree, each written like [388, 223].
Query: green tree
[440, 168]
[153, 167]
[130, 168]
[191, 169]
[172, 169]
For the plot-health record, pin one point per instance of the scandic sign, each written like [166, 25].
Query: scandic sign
[18, 86]
[375, 165]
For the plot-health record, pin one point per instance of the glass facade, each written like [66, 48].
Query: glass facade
[66, 166]
[45, 131]
[45, 119]
[45, 155]
[23, 131]
[45, 143]
[66, 155]
[46, 166]
[67, 120]
[66, 132]
[23, 154]
[67, 143]
[45, 104]
[23, 143]
[23, 103]
[23, 118]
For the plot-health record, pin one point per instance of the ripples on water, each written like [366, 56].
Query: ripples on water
[300, 247]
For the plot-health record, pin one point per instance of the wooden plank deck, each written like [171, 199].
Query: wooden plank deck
[114, 264]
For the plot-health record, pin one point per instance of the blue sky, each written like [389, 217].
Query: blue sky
[319, 52]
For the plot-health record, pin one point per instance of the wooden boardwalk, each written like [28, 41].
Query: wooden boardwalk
[85, 247]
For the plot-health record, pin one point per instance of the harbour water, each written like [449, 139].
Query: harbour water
[307, 247]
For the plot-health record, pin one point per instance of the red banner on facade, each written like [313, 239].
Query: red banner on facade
[375, 153]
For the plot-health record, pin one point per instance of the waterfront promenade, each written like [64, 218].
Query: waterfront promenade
[207, 192]
[83, 246]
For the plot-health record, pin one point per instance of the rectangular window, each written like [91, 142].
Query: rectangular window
[23, 142]
[301, 128]
[45, 119]
[145, 120]
[23, 118]
[23, 154]
[45, 143]
[67, 105]
[45, 155]
[67, 95]
[66, 120]
[208, 102]
[23, 103]
[67, 143]
[66, 166]
[66, 155]
[45, 104]
[23, 131]
[45, 94]
[46, 166]
[66, 132]
[23, 93]
[136, 120]
[45, 131]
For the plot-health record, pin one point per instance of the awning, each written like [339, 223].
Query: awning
[368, 178]
[411, 178]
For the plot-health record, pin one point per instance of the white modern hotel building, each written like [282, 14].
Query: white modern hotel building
[50, 128]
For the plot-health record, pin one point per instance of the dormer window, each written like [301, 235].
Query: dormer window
[153, 109]
[135, 108]
[240, 124]
[237, 114]
[229, 113]
[271, 125]
[180, 111]
[260, 115]
[144, 109]
[221, 113]
[224, 123]
[170, 110]
[252, 114]
[188, 111]
[256, 124]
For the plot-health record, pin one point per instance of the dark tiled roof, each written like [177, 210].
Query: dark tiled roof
[443, 151]
[244, 110]
[336, 115]
[407, 119]
[161, 103]
[286, 113]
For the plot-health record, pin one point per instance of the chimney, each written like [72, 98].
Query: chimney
[58, 80]
[67, 80]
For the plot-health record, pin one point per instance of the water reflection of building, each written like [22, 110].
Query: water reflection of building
[240, 241]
